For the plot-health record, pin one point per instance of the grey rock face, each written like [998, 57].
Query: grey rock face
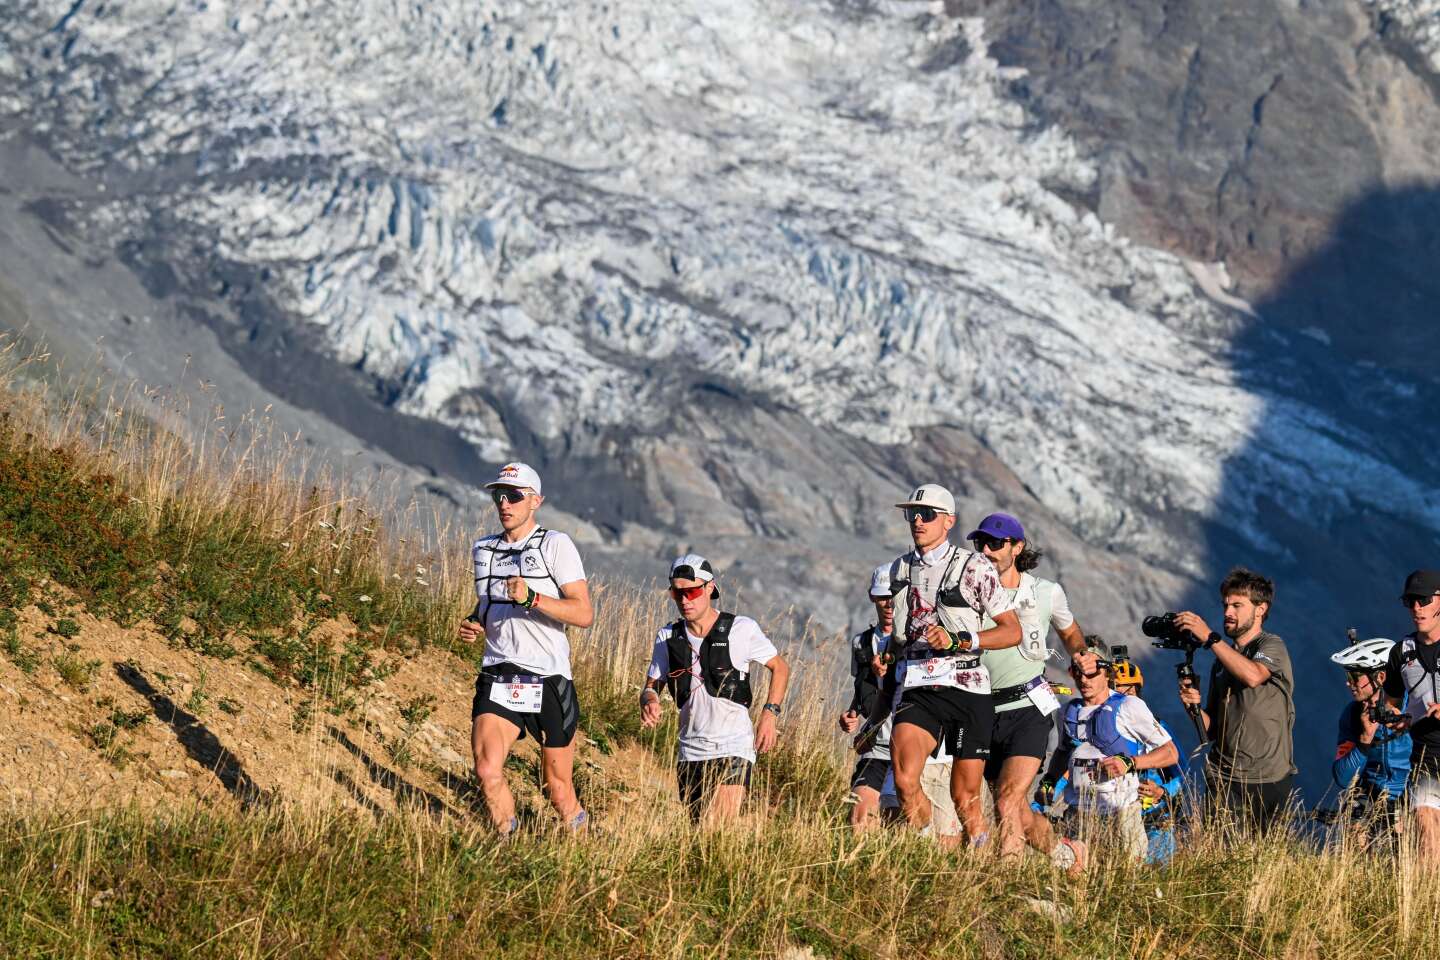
[1239, 132]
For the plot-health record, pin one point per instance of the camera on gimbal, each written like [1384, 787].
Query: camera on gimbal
[1168, 636]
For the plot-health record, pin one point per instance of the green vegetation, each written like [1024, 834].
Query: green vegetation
[76, 671]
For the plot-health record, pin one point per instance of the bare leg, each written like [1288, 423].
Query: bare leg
[491, 738]
[965, 781]
[558, 770]
[909, 747]
[1427, 828]
[1012, 802]
[865, 813]
[725, 803]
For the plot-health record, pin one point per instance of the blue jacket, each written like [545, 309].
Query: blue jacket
[1383, 767]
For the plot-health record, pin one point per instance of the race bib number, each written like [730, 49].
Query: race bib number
[518, 697]
[1043, 697]
[935, 672]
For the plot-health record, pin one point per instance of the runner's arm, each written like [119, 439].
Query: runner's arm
[1073, 638]
[1165, 755]
[779, 679]
[1005, 633]
[572, 607]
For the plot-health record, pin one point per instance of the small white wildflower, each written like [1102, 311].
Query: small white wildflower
[364, 598]
[285, 544]
[334, 569]
[326, 525]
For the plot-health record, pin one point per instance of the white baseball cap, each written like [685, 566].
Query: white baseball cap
[692, 566]
[931, 495]
[880, 582]
[516, 475]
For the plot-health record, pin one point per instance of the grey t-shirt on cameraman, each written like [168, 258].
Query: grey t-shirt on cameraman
[1252, 728]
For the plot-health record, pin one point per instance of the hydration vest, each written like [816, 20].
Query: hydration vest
[867, 685]
[529, 563]
[717, 670]
[1034, 617]
[1100, 728]
[954, 611]
[1421, 694]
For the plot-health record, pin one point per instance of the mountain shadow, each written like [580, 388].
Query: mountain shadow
[1349, 334]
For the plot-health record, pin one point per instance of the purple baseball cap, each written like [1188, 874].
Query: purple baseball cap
[1001, 526]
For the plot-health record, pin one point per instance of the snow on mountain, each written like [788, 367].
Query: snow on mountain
[836, 208]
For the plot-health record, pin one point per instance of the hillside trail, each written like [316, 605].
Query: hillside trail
[116, 716]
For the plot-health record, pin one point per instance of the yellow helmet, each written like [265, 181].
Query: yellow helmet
[1128, 672]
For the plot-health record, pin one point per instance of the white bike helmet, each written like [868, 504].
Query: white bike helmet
[1369, 654]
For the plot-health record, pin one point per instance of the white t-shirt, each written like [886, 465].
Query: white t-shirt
[712, 727]
[526, 638]
[1133, 721]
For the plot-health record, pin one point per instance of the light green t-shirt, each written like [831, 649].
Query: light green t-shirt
[1040, 604]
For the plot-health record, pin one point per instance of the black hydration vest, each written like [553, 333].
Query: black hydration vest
[529, 564]
[867, 685]
[721, 678]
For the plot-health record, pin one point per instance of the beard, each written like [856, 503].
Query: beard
[1240, 628]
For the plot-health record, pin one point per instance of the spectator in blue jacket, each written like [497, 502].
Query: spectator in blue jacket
[1371, 755]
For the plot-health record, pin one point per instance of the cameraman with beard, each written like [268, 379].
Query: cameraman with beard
[1249, 711]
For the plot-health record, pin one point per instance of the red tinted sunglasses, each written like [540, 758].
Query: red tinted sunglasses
[689, 593]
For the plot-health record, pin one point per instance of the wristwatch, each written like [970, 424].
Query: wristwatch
[1211, 640]
[772, 708]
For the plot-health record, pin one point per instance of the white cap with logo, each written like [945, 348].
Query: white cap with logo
[692, 566]
[517, 475]
[931, 495]
[880, 582]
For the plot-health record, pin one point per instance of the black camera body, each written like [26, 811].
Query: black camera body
[1166, 635]
[1382, 714]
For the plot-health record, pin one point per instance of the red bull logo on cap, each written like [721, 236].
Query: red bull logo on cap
[509, 472]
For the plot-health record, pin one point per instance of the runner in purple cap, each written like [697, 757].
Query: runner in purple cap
[1024, 703]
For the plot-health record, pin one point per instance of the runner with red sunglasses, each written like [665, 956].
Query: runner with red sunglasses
[704, 659]
[529, 586]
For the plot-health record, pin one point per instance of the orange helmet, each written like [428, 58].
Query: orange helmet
[1128, 672]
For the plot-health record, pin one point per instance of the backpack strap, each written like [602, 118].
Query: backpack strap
[677, 680]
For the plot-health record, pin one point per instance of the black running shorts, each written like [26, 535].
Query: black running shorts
[963, 721]
[559, 716]
[696, 778]
[870, 772]
[1018, 733]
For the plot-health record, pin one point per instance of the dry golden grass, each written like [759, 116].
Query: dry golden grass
[285, 880]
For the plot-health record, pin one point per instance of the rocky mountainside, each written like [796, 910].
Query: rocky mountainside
[734, 275]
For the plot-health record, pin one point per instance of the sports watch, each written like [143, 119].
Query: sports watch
[772, 708]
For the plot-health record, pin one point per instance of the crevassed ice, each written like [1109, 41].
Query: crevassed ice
[837, 206]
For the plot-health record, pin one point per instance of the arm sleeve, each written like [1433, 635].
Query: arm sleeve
[1349, 758]
[660, 658]
[565, 563]
[1060, 616]
[980, 585]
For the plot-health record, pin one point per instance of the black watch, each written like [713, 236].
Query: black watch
[1211, 640]
[773, 708]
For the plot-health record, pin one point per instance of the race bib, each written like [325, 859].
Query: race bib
[935, 672]
[1043, 697]
[517, 696]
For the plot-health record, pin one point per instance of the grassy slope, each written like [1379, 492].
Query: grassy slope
[211, 545]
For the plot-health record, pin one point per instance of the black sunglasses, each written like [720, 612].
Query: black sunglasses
[508, 494]
[1411, 599]
[926, 514]
[983, 541]
[1075, 671]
